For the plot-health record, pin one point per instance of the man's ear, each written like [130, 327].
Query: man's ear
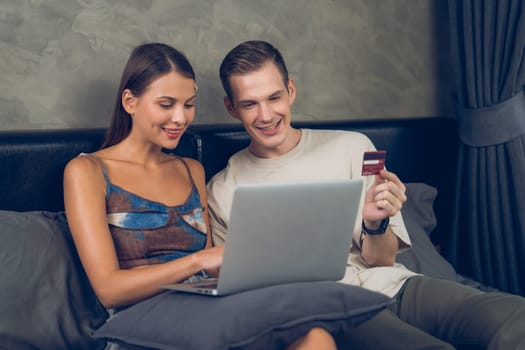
[129, 101]
[230, 108]
[291, 90]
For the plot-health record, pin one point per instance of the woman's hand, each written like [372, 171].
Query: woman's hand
[210, 258]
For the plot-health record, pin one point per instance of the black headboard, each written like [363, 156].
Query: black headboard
[419, 150]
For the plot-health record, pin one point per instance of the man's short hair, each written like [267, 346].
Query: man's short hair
[248, 57]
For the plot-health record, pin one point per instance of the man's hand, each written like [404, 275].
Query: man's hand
[384, 199]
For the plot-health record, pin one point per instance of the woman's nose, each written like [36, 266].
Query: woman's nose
[178, 115]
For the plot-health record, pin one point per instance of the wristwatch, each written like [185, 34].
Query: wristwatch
[379, 231]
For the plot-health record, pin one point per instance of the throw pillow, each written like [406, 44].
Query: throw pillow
[46, 299]
[420, 220]
[265, 318]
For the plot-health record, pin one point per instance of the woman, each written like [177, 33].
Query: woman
[138, 216]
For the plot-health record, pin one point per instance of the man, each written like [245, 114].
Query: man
[428, 313]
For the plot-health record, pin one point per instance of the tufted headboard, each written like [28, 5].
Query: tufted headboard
[419, 150]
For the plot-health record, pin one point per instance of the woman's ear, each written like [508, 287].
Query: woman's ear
[129, 101]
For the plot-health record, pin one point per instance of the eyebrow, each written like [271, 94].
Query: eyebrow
[277, 93]
[172, 99]
[274, 94]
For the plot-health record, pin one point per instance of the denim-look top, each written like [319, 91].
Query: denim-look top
[147, 232]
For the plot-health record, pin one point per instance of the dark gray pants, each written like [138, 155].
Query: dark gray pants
[438, 314]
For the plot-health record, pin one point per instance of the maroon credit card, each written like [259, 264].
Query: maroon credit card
[373, 161]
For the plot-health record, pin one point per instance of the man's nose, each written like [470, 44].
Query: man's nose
[265, 112]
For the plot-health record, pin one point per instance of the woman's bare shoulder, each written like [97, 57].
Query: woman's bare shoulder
[196, 167]
[193, 163]
[82, 164]
[84, 170]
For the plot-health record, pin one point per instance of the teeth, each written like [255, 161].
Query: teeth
[270, 127]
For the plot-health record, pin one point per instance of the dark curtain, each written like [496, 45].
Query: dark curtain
[488, 48]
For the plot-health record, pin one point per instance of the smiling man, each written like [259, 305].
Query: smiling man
[427, 313]
[262, 104]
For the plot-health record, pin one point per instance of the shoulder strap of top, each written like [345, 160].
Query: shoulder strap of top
[105, 173]
[187, 169]
[99, 161]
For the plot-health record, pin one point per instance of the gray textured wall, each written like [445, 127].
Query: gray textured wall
[60, 60]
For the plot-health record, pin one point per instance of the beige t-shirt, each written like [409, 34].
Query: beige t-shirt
[319, 155]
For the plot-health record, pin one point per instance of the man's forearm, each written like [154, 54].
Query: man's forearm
[380, 250]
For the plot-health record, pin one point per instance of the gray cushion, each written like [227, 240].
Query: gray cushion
[46, 301]
[265, 318]
[420, 220]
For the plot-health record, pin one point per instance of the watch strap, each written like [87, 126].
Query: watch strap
[379, 231]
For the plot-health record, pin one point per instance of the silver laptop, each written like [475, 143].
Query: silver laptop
[285, 233]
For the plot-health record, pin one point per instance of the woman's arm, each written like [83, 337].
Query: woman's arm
[84, 198]
[198, 174]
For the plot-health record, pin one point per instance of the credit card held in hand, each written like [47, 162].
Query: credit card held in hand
[373, 161]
